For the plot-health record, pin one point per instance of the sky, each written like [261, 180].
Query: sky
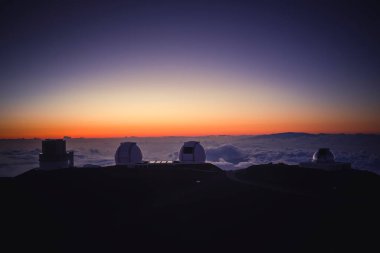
[185, 68]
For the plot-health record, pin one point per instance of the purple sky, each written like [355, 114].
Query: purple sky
[323, 51]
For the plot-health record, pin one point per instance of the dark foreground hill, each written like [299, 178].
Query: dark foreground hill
[266, 208]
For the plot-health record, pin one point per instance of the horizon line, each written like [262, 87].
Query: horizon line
[187, 136]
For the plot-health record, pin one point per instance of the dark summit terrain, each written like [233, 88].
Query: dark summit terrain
[264, 208]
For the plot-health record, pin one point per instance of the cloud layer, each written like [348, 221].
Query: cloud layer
[227, 152]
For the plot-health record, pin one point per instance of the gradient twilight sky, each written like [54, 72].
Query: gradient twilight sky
[153, 68]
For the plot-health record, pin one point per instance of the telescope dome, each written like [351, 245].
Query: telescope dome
[128, 153]
[192, 152]
[323, 155]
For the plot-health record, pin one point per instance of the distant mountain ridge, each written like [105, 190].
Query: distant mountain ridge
[288, 135]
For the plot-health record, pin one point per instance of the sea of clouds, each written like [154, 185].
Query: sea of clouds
[227, 152]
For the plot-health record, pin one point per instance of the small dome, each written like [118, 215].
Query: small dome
[193, 152]
[323, 155]
[128, 153]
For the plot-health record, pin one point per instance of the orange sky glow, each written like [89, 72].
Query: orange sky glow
[155, 104]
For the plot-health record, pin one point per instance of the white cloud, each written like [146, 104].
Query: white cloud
[228, 153]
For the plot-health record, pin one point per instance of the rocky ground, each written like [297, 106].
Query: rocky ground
[264, 208]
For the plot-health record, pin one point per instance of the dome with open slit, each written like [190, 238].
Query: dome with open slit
[192, 152]
[128, 153]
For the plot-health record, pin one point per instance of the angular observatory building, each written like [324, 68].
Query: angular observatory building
[54, 155]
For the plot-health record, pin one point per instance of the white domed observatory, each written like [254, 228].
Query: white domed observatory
[192, 152]
[128, 153]
[324, 159]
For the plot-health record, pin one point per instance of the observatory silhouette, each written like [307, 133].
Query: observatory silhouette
[192, 152]
[54, 155]
[324, 159]
[323, 155]
[128, 153]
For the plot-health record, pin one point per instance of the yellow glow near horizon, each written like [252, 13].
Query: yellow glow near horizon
[159, 104]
